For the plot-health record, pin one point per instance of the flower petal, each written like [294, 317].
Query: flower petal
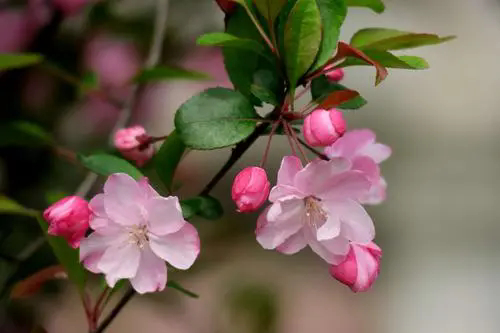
[367, 166]
[316, 175]
[93, 247]
[120, 261]
[147, 191]
[357, 225]
[285, 192]
[293, 244]
[278, 222]
[377, 193]
[152, 273]
[347, 185]
[377, 151]
[164, 215]
[96, 205]
[349, 145]
[179, 249]
[122, 200]
[290, 166]
[329, 229]
[333, 251]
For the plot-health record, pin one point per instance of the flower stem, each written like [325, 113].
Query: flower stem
[116, 310]
[268, 146]
[289, 138]
[311, 149]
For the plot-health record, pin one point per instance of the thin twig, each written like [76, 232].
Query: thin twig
[295, 138]
[311, 149]
[268, 146]
[116, 310]
[289, 138]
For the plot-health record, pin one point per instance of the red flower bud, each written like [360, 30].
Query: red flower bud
[132, 143]
[322, 127]
[335, 75]
[250, 189]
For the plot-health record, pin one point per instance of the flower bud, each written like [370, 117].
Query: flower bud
[322, 127]
[335, 75]
[360, 268]
[250, 189]
[132, 143]
[68, 218]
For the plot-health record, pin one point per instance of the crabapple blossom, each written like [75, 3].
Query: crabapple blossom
[132, 143]
[361, 148]
[324, 127]
[68, 218]
[135, 231]
[335, 75]
[360, 268]
[316, 205]
[250, 189]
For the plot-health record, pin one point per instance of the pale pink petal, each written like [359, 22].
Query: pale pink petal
[377, 193]
[99, 223]
[285, 192]
[348, 185]
[316, 175]
[293, 244]
[147, 191]
[331, 228]
[280, 221]
[349, 145]
[96, 205]
[164, 215]
[377, 151]
[122, 200]
[151, 275]
[120, 261]
[357, 225]
[93, 247]
[333, 251]
[290, 166]
[179, 249]
[367, 166]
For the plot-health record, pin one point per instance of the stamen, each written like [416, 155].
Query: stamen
[315, 213]
[138, 235]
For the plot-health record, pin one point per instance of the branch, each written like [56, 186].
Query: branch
[116, 310]
[311, 149]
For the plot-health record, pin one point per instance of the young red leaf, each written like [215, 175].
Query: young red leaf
[31, 285]
[336, 98]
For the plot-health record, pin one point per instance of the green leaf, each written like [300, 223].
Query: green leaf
[67, 256]
[269, 9]
[21, 133]
[205, 206]
[388, 60]
[376, 5]
[9, 206]
[18, 60]
[215, 118]
[163, 73]
[105, 165]
[266, 86]
[302, 39]
[228, 40]
[333, 13]
[90, 82]
[383, 39]
[321, 87]
[168, 157]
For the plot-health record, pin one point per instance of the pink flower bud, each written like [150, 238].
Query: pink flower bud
[360, 268]
[250, 189]
[335, 75]
[322, 127]
[132, 143]
[68, 218]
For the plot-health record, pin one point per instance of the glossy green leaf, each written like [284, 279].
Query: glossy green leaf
[18, 60]
[269, 9]
[376, 5]
[21, 133]
[388, 60]
[321, 87]
[105, 165]
[383, 39]
[266, 87]
[205, 206]
[231, 41]
[67, 256]
[302, 39]
[163, 73]
[333, 14]
[9, 206]
[168, 157]
[215, 118]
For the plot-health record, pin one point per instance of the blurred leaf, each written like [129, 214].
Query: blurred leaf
[321, 87]
[333, 13]
[336, 98]
[90, 82]
[105, 165]
[178, 287]
[264, 95]
[383, 39]
[20, 133]
[162, 73]
[9, 206]
[228, 40]
[31, 285]
[388, 60]
[376, 5]
[168, 157]
[39, 329]
[67, 256]
[205, 206]
[302, 39]
[215, 118]
[269, 9]
[18, 60]
[266, 86]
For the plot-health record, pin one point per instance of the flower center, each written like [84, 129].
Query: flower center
[138, 234]
[315, 214]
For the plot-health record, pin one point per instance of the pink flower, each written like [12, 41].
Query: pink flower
[335, 75]
[135, 230]
[129, 141]
[360, 147]
[70, 7]
[250, 189]
[68, 218]
[316, 206]
[322, 127]
[360, 268]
